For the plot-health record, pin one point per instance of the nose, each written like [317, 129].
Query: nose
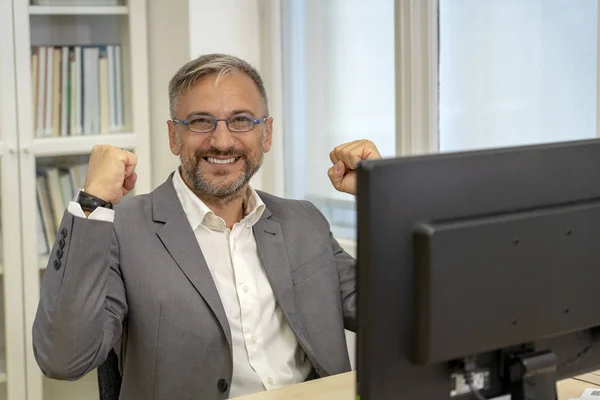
[221, 138]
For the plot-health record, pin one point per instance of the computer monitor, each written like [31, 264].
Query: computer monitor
[478, 267]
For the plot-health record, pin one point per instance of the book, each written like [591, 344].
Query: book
[56, 187]
[112, 92]
[34, 84]
[42, 240]
[49, 98]
[46, 210]
[119, 90]
[41, 92]
[103, 85]
[66, 186]
[55, 195]
[56, 86]
[64, 92]
[77, 90]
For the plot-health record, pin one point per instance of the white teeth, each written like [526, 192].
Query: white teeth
[219, 161]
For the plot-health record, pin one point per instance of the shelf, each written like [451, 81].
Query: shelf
[78, 10]
[43, 261]
[62, 146]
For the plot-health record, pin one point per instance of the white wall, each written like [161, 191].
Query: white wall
[168, 50]
[226, 26]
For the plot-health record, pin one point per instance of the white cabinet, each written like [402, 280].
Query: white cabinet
[70, 77]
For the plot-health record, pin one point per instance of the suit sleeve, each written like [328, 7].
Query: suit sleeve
[346, 266]
[83, 304]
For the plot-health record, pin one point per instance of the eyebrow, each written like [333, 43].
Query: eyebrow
[234, 112]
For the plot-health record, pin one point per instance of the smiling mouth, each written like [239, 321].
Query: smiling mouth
[221, 161]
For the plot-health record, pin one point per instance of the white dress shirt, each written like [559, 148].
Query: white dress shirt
[266, 353]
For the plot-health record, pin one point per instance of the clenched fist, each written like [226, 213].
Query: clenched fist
[110, 174]
[345, 159]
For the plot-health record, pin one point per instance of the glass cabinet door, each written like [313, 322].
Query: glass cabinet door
[12, 335]
[80, 64]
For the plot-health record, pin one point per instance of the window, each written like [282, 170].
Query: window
[338, 67]
[471, 74]
[515, 72]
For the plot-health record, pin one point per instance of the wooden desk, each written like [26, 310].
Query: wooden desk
[341, 387]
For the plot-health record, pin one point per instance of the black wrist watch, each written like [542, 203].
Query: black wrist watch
[89, 202]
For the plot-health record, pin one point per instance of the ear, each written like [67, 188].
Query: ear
[173, 137]
[269, 134]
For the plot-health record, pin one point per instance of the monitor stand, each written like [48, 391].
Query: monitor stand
[531, 375]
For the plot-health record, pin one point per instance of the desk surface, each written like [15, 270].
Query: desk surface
[341, 387]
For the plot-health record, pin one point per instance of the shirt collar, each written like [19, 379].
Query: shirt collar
[198, 213]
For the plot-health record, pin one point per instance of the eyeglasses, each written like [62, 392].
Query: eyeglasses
[208, 123]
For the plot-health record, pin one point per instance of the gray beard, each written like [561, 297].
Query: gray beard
[222, 195]
[214, 193]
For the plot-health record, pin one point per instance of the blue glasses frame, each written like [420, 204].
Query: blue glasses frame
[186, 122]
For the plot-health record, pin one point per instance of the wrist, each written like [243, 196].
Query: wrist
[98, 192]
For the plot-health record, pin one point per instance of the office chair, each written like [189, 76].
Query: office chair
[109, 377]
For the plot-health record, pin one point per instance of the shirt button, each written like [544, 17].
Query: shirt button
[245, 288]
[270, 380]
[254, 339]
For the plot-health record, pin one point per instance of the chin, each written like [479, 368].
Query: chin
[221, 184]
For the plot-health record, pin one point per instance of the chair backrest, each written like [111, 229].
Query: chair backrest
[109, 378]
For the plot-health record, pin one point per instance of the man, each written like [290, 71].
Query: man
[206, 287]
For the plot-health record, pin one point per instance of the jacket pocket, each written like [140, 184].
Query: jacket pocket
[307, 269]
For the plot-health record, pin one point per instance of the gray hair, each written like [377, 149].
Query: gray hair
[221, 64]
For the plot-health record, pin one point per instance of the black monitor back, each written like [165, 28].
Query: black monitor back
[471, 254]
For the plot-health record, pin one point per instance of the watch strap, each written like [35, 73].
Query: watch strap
[89, 202]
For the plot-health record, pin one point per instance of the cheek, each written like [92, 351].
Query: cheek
[254, 145]
[193, 144]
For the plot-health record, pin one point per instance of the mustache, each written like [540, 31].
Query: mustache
[213, 152]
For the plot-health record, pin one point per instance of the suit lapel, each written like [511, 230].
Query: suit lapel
[179, 240]
[272, 251]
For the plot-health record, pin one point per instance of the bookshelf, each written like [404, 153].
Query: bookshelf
[79, 145]
[95, 51]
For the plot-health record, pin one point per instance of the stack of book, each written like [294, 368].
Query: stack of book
[77, 90]
[75, 2]
[56, 187]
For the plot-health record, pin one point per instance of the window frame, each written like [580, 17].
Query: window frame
[416, 87]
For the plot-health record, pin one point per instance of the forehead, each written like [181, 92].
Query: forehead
[221, 95]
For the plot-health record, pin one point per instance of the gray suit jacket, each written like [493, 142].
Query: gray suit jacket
[141, 285]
